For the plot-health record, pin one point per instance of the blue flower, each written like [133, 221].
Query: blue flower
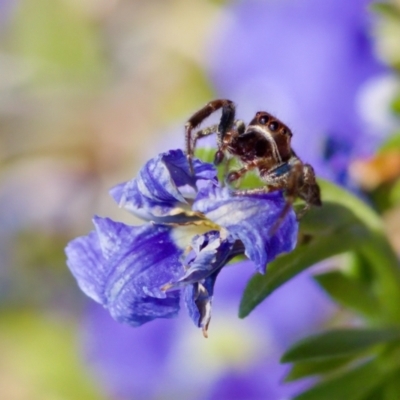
[194, 228]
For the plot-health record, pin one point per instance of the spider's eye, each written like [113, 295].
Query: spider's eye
[263, 120]
[273, 126]
[286, 132]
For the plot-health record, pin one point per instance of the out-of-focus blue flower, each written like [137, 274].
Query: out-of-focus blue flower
[240, 357]
[139, 272]
[306, 61]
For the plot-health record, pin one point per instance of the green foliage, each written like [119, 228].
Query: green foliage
[342, 224]
[338, 343]
[355, 384]
[302, 369]
[352, 363]
[350, 292]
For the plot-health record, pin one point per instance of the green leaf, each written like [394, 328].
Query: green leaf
[349, 292]
[343, 223]
[389, 368]
[363, 382]
[391, 388]
[338, 343]
[315, 367]
[377, 393]
[351, 385]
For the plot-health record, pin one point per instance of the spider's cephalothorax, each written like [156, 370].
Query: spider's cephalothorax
[264, 144]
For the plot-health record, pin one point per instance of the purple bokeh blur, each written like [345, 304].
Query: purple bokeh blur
[306, 62]
[169, 357]
[6, 7]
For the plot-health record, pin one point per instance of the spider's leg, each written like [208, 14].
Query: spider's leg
[235, 175]
[273, 178]
[227, 119]
[226, 122]
[291, 181]
[310, 191]
[249, 192]
[303, 211]
[226, 137]
[301, 183]
[203, 133]
[219, 155]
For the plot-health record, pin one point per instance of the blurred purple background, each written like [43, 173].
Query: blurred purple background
[89, 90]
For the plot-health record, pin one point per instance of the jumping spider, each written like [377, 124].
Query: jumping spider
[264, 144]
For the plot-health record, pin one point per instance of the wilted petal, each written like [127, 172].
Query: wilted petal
[122, 267]
[210, 252]
[198, 299]
[251, 219]
[163, 187]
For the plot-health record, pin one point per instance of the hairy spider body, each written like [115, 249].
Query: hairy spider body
[263, 145]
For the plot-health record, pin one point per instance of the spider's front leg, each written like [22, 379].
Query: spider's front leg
[297, 180]
[309, 191]
[225, 124]
[202, 133]
[235, 175]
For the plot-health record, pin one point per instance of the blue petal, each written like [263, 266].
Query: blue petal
[210, 252]
[251, 219]
[163, 187]
[198, 299]
[88, 265]
[123, 267]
